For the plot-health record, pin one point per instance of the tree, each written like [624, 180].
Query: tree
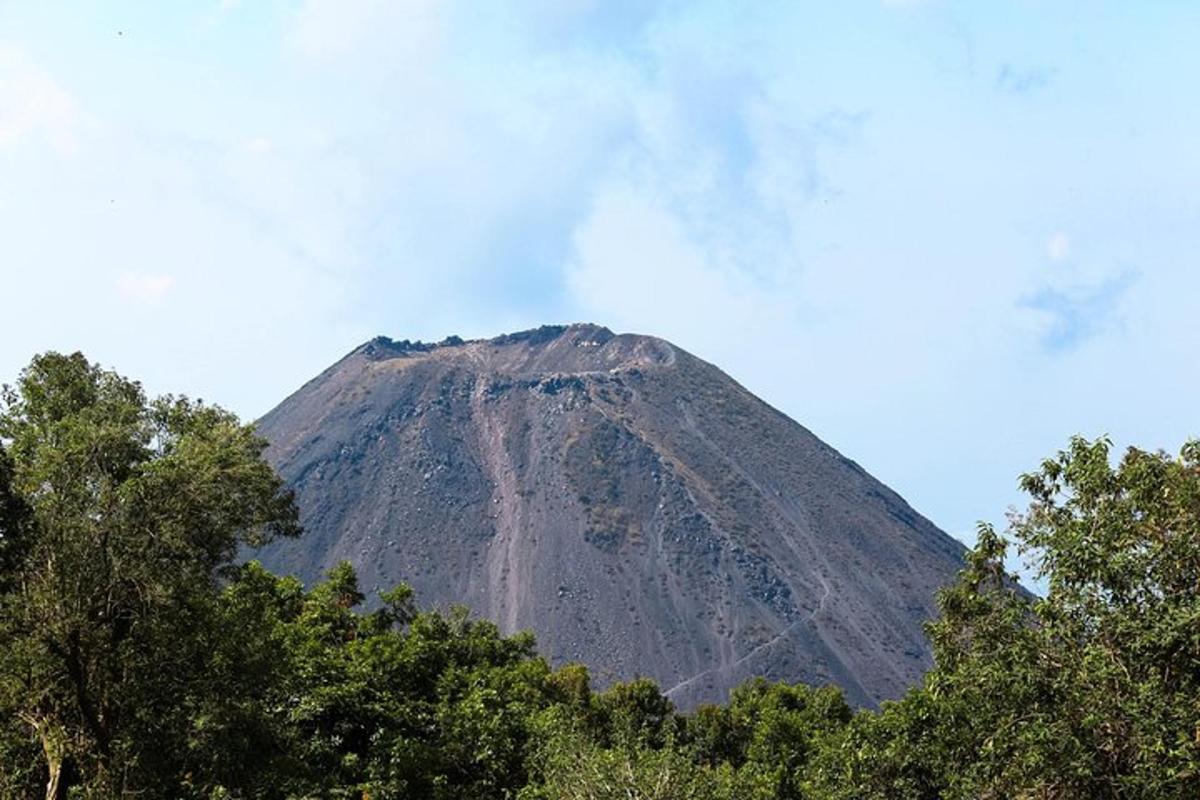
[1120, 626]
[637, 712]
[19, 773]
[135, 509]
[572, 766]
[1090, 692]
[14, 524]
[388, 703]
[782, 726]
[138, 657]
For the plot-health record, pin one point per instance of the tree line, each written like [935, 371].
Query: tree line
[140, 657]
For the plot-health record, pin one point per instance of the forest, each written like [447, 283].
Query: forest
[141, 655]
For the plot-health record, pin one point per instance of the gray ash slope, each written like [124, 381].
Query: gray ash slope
[628, 502]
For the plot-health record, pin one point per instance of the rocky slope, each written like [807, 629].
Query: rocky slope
[628, 502]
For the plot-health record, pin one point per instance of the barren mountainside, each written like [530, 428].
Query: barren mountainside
[631, 504]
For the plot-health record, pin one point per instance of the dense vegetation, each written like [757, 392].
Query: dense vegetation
[139, 657]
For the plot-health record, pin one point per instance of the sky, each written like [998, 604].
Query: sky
[944, 236]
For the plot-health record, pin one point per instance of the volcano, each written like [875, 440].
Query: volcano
[631, 504]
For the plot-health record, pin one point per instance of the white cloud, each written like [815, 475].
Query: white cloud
[329, 29]
[258, 145]
[32, 104]
[142, 288]
[635, 262]
[1058, 247]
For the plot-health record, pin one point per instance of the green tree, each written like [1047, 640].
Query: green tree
[14, 525]
[1119, 629]
[389, 703]
[20, 775]
[136, 508]
[1090, 692]
[637, 712]
[781, 726]
[572, 766]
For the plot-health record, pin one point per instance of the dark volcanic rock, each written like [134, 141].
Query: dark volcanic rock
[628, 502]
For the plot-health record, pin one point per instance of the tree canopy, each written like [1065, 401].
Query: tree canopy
[140, 656]
[120, 514]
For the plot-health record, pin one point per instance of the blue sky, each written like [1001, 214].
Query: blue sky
[944, 236]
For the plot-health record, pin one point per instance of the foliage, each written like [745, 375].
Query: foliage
[138, 656]
[1090, 692]
[399, 704]
[129, 509]
[573, 766]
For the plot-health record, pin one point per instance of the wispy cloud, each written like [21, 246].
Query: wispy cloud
[1018, 80]
[1058, 246]
[326, 29]
[141, 288]
[32, 103]
[1076, 314]
[258, 145]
